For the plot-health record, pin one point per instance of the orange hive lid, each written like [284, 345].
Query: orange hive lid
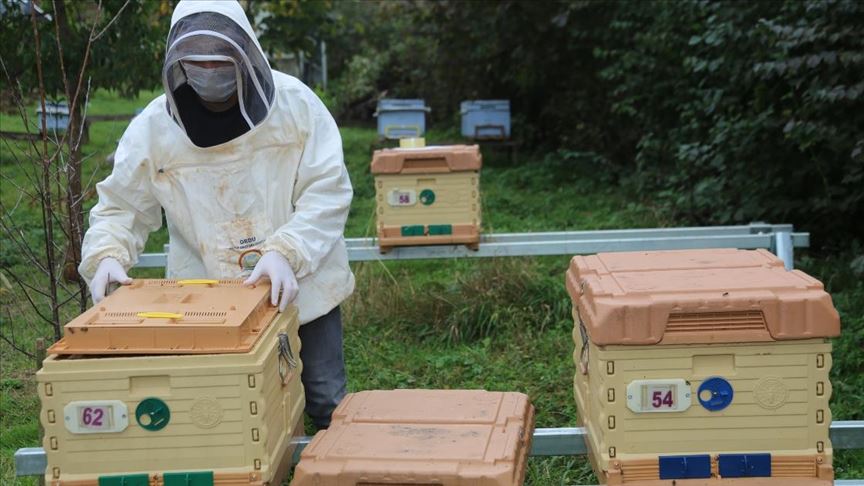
[426, 160]
[697, 296]
[171, 317]
[422, 437]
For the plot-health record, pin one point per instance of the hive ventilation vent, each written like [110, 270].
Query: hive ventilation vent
[713, 322]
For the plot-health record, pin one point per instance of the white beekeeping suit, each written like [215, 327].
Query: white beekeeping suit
[280, 185]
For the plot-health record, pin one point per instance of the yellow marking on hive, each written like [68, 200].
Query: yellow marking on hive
[160, 315]
[198, 281]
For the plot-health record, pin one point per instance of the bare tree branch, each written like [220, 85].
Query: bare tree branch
[47, 200]
[24, 286]
[72, 296]
[15, 184]
[111, 22]
[51, 167]
[16, 347]
[17, 236]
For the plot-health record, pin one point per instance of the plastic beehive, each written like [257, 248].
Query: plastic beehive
[428, 196]
[56, 116]
[171, 317]
[485, 119]
[703, 365]
[401, 118]
[422, 437]
[175, 419]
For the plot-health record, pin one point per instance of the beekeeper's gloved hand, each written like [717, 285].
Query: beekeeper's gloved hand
[277, 268]
[109, 270]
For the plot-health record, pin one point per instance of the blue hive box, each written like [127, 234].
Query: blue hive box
[401, 118]
[56, 116]
[486, 119]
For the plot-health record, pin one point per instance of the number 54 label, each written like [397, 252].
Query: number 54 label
[96, 416]
[672, 395]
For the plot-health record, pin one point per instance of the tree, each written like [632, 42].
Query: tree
[110, 44]
[66, 49]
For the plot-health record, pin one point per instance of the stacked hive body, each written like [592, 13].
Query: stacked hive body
[703, 367]
[485, 119]
[428, 196]
[422, 437]
[401, 118]
[175, 383]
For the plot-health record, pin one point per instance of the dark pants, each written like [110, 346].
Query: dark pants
[323, 366]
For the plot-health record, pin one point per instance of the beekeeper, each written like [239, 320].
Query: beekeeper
[246, 163]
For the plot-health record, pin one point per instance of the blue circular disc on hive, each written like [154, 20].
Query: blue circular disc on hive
[715, 394]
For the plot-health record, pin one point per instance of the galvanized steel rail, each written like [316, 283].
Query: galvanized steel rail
[567, 441]
[779, 238]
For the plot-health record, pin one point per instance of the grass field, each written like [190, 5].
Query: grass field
[499, 324]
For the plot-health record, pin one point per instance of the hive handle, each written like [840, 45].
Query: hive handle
[287, 361]
[583, 353]
[160, 315]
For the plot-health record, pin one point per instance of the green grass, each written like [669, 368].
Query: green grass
[499, 324]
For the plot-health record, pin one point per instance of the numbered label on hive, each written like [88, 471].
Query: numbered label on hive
[96, 416]
[672, 395]
[402, 197]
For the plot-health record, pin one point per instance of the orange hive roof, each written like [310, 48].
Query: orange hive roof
[697, 296]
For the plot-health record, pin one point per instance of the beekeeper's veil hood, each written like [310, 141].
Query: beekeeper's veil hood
[218, 31]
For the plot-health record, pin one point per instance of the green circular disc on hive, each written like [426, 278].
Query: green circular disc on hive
[427, 196]
[152, 414]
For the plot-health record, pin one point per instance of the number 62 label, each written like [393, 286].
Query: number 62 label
[96, 416]
[672, 395]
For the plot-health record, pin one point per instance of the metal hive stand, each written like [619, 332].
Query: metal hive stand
[779, 238]
[569, 441]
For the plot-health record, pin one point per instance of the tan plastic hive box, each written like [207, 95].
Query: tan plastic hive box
[171, 317]
[703, 367]
[422, 437]
[428, 196]
[176, 419]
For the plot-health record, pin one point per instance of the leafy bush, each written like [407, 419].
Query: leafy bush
[714, 112]
[754, 110]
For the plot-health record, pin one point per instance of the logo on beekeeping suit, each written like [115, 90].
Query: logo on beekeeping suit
[248, 259]
[206, 413]
[770, 392]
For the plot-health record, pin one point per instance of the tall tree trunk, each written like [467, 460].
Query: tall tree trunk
[73, 75]
[75, 210]
[46, 200]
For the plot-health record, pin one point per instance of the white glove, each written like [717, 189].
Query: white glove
[274, 266]
[109, 270]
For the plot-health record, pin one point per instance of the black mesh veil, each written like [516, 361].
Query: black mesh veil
[212, 36]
